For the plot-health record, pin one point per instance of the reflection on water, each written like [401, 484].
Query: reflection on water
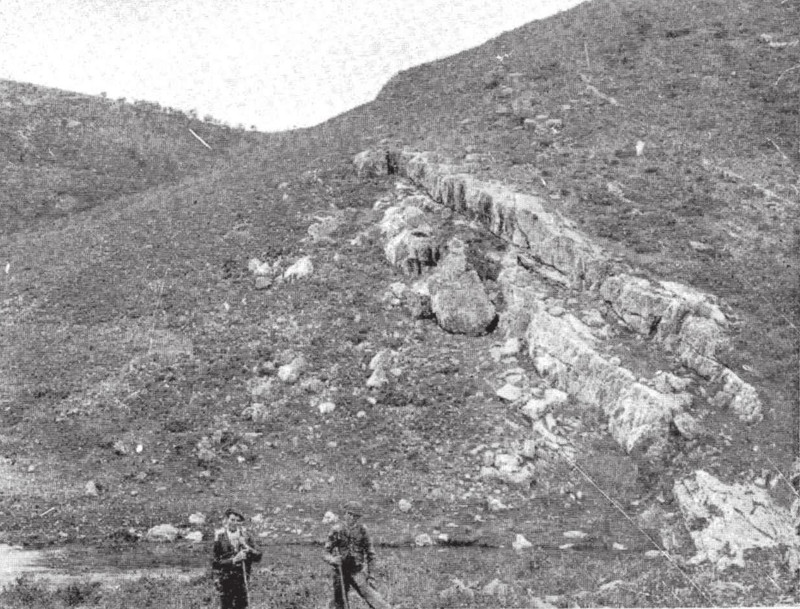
[15, 562]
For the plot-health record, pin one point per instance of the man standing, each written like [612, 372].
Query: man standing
[349, 551]
[234, 553]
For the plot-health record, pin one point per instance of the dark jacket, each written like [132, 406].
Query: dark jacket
[223, 565]
[352, 544]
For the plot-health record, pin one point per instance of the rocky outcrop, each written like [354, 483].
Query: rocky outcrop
[689, 323]
[727, 520]
[521, 219]
[565, 351]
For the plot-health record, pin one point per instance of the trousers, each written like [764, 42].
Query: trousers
[357, 581]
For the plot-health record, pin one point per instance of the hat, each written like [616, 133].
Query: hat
[233, 512]
[354, 508]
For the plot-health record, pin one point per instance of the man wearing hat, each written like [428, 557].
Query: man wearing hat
[234, 554]
[349, 551]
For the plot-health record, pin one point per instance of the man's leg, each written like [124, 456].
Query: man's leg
[338, 588]
[370, 595]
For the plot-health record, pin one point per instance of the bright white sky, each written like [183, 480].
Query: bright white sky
[275, 64]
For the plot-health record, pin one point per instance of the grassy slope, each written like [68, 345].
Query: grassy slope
[63, 153]
[88, 297]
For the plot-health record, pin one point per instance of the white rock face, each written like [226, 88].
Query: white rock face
[299, 270]
[194, 536]
[727, 520]
[565, 351]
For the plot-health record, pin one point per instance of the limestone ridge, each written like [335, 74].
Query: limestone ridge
[688, 323]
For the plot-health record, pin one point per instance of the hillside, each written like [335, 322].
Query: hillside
[140, 352]
[65, 153]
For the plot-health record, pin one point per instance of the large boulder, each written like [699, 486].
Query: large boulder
[371, 163]
[458, 298]
[727, 520]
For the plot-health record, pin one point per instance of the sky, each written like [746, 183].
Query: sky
[272, 64]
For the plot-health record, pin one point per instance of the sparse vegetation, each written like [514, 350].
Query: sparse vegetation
[129, 315]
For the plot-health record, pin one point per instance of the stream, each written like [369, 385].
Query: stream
[16, 562]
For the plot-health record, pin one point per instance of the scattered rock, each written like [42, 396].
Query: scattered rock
[536, 602]
[611, 586]
[536, 408]
[575, 534]
[520, 543]
[689, 427]
[299, 270]
[194, 536]
[197, 519]
[162, 533]
[256, 412]
[378, 378]
[258, 268]
[290, 373]
[322, 230]
[119, 447]
[458, 590]
[91, 489]
[262, 282]
[205, 451]
[260, 387]
[496, 588]
[404, 505]
[493, 504]
[330, 518]
[422, 540]
[326, 407]
[509, 392]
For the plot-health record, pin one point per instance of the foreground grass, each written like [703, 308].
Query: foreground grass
[295, 577]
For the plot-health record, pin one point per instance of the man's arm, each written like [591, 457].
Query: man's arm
[367, 547]
[331, 555]
[254, 554]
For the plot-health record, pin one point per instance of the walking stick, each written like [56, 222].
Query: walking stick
[246, 587]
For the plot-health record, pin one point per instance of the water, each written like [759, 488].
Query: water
[16, 562]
